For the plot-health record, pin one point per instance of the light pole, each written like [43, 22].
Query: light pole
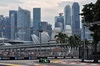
[84, 44]
[85, 25]
[84, 40]
[40, 36]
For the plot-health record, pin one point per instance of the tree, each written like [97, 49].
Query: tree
[91, 12]
[61, 37]
[74, 41]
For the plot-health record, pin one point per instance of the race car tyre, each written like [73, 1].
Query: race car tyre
[48, 61]
[40, 61]
[43, 61]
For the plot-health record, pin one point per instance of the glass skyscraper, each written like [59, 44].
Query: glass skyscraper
[49, 29]
[4, 31]
[67, 15]
[76, 19]
[36, 20]
[23, 24]
[14, 25]
[59, 21]
[44, 26]
[2, 22]
[9, 24]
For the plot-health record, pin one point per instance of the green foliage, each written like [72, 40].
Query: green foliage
[61, 37]
[72, 41]
[91, 12]
[88, 12]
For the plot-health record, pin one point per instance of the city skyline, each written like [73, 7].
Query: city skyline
[48, 12]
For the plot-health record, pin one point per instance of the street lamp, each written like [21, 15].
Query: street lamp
[40, 35]
[84, 25]
[84, 44]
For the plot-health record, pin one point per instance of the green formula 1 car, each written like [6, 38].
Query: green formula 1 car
[43, 60]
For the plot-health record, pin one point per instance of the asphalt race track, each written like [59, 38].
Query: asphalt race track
[54, 62]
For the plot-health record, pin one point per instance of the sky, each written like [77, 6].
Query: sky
[49, 8]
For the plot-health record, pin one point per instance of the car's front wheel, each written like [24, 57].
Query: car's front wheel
[48, 61]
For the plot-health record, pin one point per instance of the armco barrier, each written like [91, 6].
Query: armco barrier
[32, 58]
[56, 57]
[4, 58]
[0, 58]
[27, 58]
[15, 58]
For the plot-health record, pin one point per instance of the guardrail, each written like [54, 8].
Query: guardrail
[34, 58]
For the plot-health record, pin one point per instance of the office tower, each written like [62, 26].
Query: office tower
[44, 26]
[1, 24]
[76, 19]
[49, 29]
[36, 20]
[59, 21]
[9, 24]
[23, 23]
[6, 32]
[14, 25]
[58, 24]
[4, 29]
[67, 15]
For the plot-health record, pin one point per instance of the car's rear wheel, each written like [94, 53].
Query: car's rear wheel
[39, 61]
[43, 61]
[48, 61]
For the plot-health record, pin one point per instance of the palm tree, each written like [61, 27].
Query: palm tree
[61, 37]
[71, 41]
[74, 42]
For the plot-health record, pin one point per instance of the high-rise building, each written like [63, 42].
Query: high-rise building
[36, 20]
[9, 24]
[14, 25]
[76, 19]
[4, 29]
[44, 26]
[1, 24]
[49, 29]
[23, 23]
[6, 33]
[59, 21]
[59, 24]
[67, 15]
